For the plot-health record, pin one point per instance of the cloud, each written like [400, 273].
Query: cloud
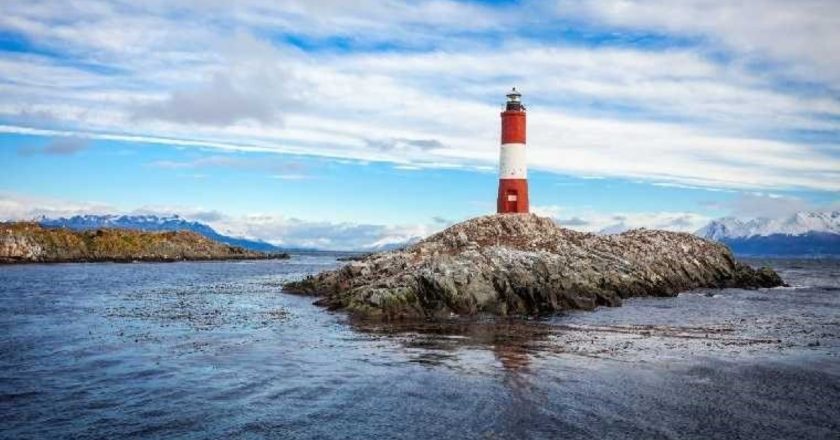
[746, 205]
[403, 144]
[202, 162]
[294, 232]
[250, 83]
[17, 207]
[277, 229]
[592, 221]
[291, 232]
[59, 146]
[207, 216]
[681, 222]
[749, 28]
[192, 213]
[276, 168]
[751, 205]
[217, 103]
[711, 106]
[572, 221]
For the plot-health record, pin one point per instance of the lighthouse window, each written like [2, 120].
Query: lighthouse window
[512, 197]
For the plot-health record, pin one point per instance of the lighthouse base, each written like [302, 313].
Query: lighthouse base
[513, 196]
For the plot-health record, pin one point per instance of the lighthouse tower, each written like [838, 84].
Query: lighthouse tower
[513, 170]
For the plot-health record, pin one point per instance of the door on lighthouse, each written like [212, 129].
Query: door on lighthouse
[511, 200]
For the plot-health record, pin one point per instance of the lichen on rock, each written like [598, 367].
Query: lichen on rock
[523, 264]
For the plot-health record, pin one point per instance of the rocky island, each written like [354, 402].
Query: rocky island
[523, 264]
[25, 242]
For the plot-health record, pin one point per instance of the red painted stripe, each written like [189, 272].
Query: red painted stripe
[505, 204]
[513, 127]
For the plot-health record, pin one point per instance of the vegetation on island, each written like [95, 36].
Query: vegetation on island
[28, 242]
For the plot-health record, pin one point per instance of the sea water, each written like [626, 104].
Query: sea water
[217, 350]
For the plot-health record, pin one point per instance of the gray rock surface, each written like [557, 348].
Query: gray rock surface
[522, 264]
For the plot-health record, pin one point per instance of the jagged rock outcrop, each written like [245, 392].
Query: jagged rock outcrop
[522, 264]
[25, 242]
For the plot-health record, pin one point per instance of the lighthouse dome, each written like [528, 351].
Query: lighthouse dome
[514, 95]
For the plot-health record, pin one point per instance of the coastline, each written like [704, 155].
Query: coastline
[14, 262]
[27, 242]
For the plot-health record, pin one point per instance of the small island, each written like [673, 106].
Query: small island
[523, 264]
[28, 242]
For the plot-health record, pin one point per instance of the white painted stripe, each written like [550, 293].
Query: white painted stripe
[512, 163]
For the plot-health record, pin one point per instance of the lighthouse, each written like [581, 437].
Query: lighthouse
[513, 170]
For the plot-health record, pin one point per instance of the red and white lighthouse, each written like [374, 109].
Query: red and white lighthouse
[513, 169]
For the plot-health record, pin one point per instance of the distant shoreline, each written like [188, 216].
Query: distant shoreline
[13, 262]
[26, 242]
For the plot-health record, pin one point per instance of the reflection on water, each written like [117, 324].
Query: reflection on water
[209, 350]
[510, 340]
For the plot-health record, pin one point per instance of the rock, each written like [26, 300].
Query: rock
[523, 264]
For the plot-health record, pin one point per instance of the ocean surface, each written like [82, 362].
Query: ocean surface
[217, 350]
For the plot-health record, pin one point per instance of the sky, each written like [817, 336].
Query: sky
[348, 125]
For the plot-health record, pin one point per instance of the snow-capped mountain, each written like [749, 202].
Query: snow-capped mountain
[808, 233]
[797, 224]
[153, 223]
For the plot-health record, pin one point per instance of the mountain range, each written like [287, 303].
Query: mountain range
[803, 233]
[153, 223]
